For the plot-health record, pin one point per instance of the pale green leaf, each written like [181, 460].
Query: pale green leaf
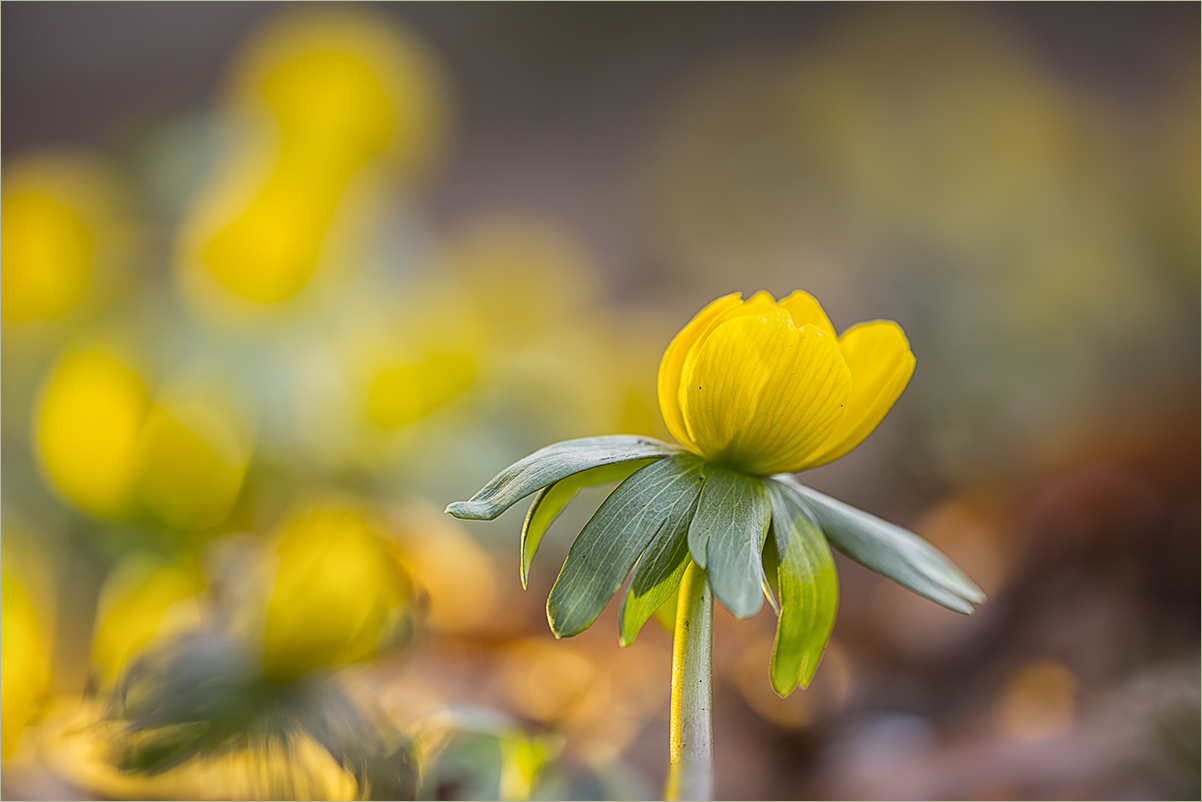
[665, 614]
[551, 500]
[653, 497]
[809, 591]
[771, 561]
[549, 465]
[890, 550]
[658, 573]
[728, 533]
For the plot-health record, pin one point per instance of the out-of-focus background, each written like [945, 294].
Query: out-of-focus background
[281, 281]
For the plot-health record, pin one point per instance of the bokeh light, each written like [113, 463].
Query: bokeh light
[1037, 702]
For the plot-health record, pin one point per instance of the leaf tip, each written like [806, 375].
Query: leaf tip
[783, 687]
[468, 510]
[808, 669]
[556, 626]
[742, 605]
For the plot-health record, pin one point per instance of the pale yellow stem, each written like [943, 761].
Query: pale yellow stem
[691, 746]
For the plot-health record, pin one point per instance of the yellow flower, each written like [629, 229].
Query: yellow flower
[191, 460]
[65, 234]
[26, 661]
[338, 593]
[764, 387]
[87, 428]
[331, 105]
[143, 601]
[753, 388]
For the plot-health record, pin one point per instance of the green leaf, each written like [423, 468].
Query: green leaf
[654, 497]
[658, 573]
[549, 465]
[551, 500]
[890, 550]
[665, 614]
[771, 562]
[728, 534]
[809, 591]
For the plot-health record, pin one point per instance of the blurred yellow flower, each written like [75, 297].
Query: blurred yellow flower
[549, 343]
[81, 749]
[765, 387]
[404, 393]
[338, 591]
[521, 761]
[524, 275]
[46, 250]
[348, 86]
[87, 430]
[268, 253]
[143, 600]
[60, 214]
[23, 652]
[191, 461]
[324, 96]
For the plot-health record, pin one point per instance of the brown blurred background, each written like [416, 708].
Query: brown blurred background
[554, 190]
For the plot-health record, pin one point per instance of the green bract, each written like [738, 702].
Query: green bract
[749, 534]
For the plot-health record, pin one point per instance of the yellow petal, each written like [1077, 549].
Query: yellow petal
[878, 355]
[804, 308]
[761, 393]
[670, 366]
[759, 304]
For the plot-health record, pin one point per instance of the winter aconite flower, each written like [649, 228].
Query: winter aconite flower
[754, 390]
[765, 387]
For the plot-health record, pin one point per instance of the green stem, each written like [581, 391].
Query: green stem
[691, 745]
